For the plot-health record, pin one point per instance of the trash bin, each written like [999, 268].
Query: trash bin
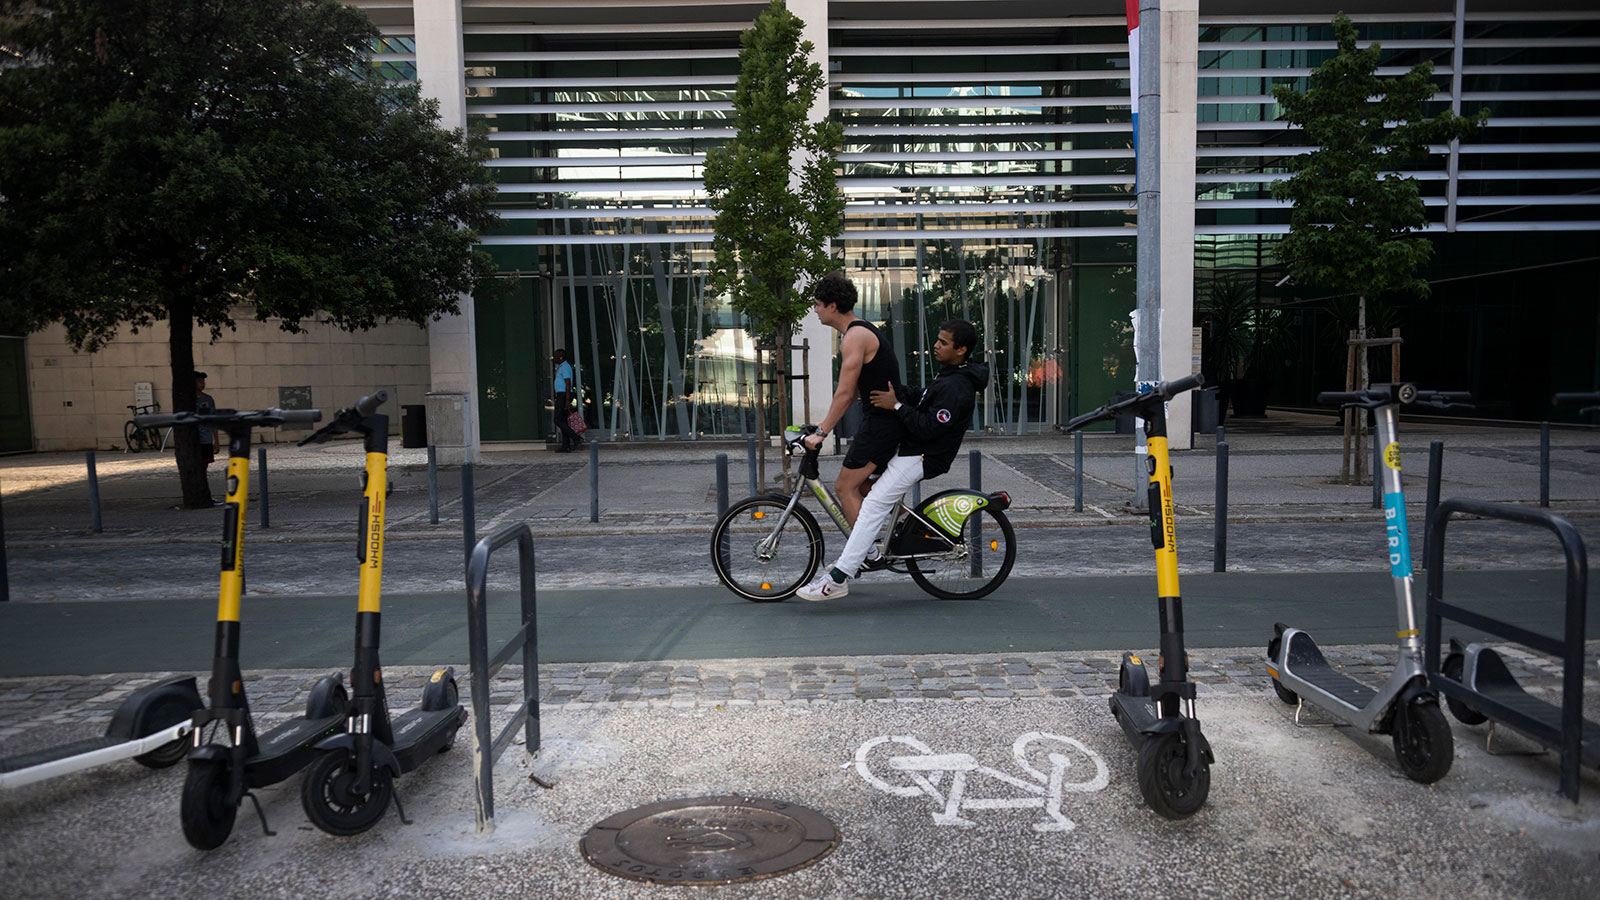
[1206, 412]
[414, 425]
[1126, 417]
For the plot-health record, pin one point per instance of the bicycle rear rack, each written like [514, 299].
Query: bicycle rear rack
[486, 750]
[1502, 699]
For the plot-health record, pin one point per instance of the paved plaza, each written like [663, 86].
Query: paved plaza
[626, 718]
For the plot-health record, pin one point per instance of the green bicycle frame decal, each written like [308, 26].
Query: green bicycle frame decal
[951, 513]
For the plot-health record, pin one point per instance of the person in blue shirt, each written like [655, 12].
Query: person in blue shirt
[564, 391]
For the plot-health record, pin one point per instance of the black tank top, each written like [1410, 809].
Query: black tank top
[882, 369]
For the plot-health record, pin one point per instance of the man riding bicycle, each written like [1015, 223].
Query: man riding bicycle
[934, 428]
[865, 361]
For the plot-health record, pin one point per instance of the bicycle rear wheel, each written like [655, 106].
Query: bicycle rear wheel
[135, 437]
[978, 565]
[761, 560]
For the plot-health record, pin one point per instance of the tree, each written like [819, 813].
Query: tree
[1355, 225]
[168, 160]
[774, 186]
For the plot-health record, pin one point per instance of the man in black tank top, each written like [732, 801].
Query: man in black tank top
[866, 364]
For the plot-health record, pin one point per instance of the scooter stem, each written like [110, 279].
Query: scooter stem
[1398, 538]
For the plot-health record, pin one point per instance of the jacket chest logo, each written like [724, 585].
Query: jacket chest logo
[943, 415]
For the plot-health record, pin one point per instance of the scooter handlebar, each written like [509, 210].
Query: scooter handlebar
[369, 404]
[1161, 391]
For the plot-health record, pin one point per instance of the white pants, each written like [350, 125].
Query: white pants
[896, 479]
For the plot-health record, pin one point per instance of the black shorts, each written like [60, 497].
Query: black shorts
[876, 442]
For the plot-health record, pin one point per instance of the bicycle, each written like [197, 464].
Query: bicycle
[139, 437]
[764, 548]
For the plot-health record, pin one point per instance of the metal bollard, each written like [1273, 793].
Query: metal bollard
[1435, 470]
[975, 466]
[433, 485]
[469, 511]
[722, 485]
[750, 462]
[94, 494]
[1544, 464]
[266, 517]
[1077, 471]
[1219, 522]
[5, 579]
[594, 481]
[1222, 435]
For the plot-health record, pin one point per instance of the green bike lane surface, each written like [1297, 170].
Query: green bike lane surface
[878, 617]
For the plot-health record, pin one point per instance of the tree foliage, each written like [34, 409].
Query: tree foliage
[1355, 223]
[172, 159]
[773, 185]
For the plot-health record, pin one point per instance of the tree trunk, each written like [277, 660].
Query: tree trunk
[180, 347]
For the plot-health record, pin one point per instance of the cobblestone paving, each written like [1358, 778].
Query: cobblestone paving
[87, 701]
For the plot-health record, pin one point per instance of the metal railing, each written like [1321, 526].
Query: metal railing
[486, 750]
[1566, 732]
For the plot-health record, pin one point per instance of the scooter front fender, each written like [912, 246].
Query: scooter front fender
[381, 754]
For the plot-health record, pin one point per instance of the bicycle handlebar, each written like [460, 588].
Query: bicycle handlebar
[1159, 393]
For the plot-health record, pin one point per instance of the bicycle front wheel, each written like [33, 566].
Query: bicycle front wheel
[134, 435]
[763, 556]
[979, 563]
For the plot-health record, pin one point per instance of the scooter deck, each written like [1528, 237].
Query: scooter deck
[1135, 714]
[1306, 662]
[1495, 682]
[53, 754]
[419, 734]
[288, 748]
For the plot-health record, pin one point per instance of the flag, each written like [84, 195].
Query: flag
[1133, 69]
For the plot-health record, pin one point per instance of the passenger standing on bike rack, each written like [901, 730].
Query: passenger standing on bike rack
[934, 428]
[866, 362]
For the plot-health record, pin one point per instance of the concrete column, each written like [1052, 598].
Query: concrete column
[1180, 39]
[814, 13]
[452, 341]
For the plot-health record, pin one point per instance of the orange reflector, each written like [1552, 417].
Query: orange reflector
[757, 515]
[994, 545]
[766, 587]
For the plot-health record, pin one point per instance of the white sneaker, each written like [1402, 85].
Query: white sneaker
[823, 587]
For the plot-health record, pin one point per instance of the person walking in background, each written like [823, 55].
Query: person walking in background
[204, 405]
[563, 392]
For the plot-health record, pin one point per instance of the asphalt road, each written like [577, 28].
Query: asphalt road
[880, 617]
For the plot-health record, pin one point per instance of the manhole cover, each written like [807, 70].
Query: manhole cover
[709, 840]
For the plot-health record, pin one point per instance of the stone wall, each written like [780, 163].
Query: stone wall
[80, 400]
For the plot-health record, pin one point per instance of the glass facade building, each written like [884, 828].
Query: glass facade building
[988, 174]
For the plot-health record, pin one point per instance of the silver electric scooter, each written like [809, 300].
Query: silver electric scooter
[1405, 708]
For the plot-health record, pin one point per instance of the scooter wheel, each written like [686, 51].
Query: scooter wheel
[1452, 669]
[1165, 787]
[1284, 694]
[1422, 742]
[330, 802]
[207, 814]
[168, 711]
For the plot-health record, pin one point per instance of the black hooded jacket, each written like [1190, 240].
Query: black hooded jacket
[937, 422]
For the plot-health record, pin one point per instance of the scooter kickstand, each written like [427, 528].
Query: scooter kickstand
[1299, 706]
[261, 814]
[399, 808]
[1488, 746]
